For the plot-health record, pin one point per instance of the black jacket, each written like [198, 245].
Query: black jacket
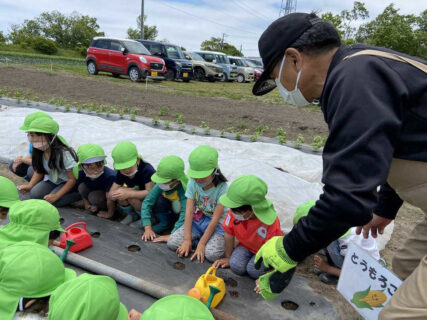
[376, 110]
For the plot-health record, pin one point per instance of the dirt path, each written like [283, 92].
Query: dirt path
[219, 113]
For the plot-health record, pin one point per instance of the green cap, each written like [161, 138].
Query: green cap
[89, 297]
[90, 153]
[8, 193]
[43, 125]
[30, 220]
[203, 161]
[124, 155]
[32, 116]
[250, 190]
[170, 168]
[177, 307]
[28, 270]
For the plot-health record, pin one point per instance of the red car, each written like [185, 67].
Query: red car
[123, 56]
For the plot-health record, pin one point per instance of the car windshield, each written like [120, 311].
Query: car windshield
[136, 47]
[174, 52]
[221, 58]
[238, 62]
[251, 64]
[196, 56]
[257, 63]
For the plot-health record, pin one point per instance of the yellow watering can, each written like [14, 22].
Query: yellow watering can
[207, 280]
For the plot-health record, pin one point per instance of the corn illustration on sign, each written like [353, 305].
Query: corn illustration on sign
[365, 283]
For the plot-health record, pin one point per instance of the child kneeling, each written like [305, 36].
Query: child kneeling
[252, 220]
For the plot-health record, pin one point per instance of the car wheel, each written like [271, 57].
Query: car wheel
[134, 74]
[199, 74]
[91, 68]
[240, 78]
[224, 77]
[186, 80]
[116, 75]
[169, 75]
[211, 79]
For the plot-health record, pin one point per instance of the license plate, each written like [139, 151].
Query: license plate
[251, 78]
[154, 73]
[185, 74]
[233, 75]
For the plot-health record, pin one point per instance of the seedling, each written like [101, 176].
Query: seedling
[179, 118]
[132, 117]
[243, 125]
[246, 131]
[207, 131]
[155, 121]
[181, 127]
[318, 142]
[280, 132]
[222, 133]
[204, 124]
[164, 111]
[237, 135]
[67, 108]
[261, 129]
[282, 139]
[299, 141]
[167, 124]
[121, 113]
[254, 137]
[193, 130]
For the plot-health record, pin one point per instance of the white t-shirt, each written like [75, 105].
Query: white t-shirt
[369, 245]
[59, 176]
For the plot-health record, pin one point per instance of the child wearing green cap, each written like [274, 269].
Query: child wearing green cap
[53, 162]
[133, 180]
[8, 196]
[204, 214]
[252, 220]
[167, 199]
[95, 180]
[22, 165]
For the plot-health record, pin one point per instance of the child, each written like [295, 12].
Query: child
[22, 166]
[8, 196]
[251, 220]
[88, 297]
[329, 268]
[95, 180]
[203, 212]
[167, 198]
[133, 180]
[31, 220]
[53, 162]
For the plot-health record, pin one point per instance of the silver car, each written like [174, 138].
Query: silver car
[244, 73]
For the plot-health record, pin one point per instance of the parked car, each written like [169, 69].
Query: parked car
[123, 56]
[202, 69]
[258, 70]
[177, 66]
[255, 61]
[245, 73]
[219, 58]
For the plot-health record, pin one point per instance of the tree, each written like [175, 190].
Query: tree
[2, 37]
[214, 44]
[150, 32]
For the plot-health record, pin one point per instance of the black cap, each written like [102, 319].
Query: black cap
[279, 36]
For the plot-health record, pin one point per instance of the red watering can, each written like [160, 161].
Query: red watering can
[79, 235]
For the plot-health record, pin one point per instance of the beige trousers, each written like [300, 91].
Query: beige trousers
[409, 179]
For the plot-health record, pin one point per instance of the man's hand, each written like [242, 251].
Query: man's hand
[376, 225]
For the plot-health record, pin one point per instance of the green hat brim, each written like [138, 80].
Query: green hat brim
[123, 312]
[125, 165]
[23, 128]
[199, 174]
[8, 305]
[228, 203]
[69, 274]
[157, 179]
[8, 203]
[265, 212]
[29, 129]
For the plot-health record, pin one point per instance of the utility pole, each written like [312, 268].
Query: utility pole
[142, 19]
[241, 47]
[222, 40]
[290, 6]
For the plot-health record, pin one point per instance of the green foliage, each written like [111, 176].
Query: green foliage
[181, 127]
[282, 139]
[237, 135]
[44, 45]
[155, 121]
[179, 118]
[222, 133]
[260, 129]
[214, 44]
[318, 142]
[67, 108]
[299, 141]
[254, 137]
[150, 32]
[164, 111]
[204, 124]
[132, 117]
[2, 37]
[167, 124]
[280, 132]
[121, 113]
[193, 130]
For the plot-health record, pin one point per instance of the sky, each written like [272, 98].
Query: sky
[189, 22]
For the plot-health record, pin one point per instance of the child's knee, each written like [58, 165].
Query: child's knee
[237, 267]
[173, 242]
[213, 255]
[253, 272]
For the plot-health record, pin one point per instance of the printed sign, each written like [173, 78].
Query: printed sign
[365, 283]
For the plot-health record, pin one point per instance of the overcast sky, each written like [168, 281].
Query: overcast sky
[188, 22]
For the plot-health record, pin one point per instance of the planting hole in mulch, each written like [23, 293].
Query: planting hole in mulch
[95, 234]
[179, 265]
[230, 282]
[61, 220]
[234, 294]
[134, 248]
[312, 303]
[289, 305]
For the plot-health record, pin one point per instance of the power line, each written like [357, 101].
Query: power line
[250, 11]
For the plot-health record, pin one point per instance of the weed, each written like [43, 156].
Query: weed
[204, 124]
[243, 125]
[126, 110]
[246, 131]
[164, 111]
[113, 109]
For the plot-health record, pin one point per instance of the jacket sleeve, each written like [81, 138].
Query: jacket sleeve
[183, 201]
[389, 202]
[148, 204]
[362, 102]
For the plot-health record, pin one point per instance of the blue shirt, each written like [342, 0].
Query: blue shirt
[104, 182]
[143, 176]
[30, 149]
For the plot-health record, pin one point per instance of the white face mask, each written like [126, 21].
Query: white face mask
[165, 186]
[205, 184]
[294, 97]
[130, 175]
[240, 217]
[43, 146]
[94, 176]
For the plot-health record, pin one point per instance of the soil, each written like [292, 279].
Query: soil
[407, 217]
[219, 113]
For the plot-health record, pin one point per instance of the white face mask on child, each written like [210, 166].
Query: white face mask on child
[42, 146]
[240, 217]
[94, 176]
[131, 175]
[165, 186]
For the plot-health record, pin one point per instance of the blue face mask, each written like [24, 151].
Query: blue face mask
[295, 96]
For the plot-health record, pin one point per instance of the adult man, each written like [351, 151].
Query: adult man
[375, 104]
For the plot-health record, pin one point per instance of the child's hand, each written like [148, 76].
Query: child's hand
[149, 234]
[199, 253]
[222, 263]
[51, 198]
[134, 315]
[24, 188]
[18, 160]
[164, 238]
[120, 194]
[184, 249]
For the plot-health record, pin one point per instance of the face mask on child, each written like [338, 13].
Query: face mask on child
[165, 186]
[94, 176]
[205, 184]
[130, 175]
[240, 217]
[43, 146]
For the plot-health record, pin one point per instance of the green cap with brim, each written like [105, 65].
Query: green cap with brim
[30, 220]
[87, 297]
[43, 125]
[177, 307]
[8, 193]
[250, 190]
[32, 116]
[203, 161]
[170, 168]
[28, 270]
[90, 153]
[125, 155]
